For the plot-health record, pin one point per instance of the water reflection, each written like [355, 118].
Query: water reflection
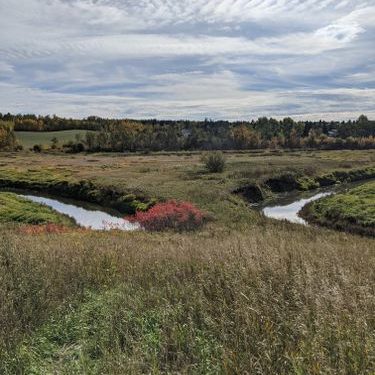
[290, 211]
[87, 218]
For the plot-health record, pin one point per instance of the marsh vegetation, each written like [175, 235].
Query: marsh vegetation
[352, 211]
[242, 293]
[15, 208]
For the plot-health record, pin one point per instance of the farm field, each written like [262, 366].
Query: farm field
[243, 294]
[29, 139]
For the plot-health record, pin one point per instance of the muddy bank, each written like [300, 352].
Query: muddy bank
[84, 190]
[309, 215]
[257, 193]
[351, 211]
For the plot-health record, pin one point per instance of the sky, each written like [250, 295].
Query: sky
[188, 59]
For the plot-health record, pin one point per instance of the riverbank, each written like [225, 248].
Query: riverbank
[16, 209]
[298, 181]
[64, 185]
[353, 211]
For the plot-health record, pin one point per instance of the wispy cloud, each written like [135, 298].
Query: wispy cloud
[193, 59]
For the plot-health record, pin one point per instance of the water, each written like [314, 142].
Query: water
[287, 206]
[85, 217]
[289, 211]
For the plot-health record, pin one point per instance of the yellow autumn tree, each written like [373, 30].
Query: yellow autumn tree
[244, 137]
[7, 136]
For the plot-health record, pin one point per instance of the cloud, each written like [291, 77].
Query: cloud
[200, 100]
[212, 58]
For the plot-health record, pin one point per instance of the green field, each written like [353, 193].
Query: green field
[244, 294]
[352, 211]
[29, 139]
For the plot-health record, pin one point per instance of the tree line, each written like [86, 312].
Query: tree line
[30, 122]
[157, 135]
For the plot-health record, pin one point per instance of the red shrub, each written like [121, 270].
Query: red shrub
[170, 215]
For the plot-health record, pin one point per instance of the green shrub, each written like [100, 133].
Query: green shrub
[37, 148]
[214, 161]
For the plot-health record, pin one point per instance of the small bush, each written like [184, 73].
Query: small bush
[54, 143]
[74, 148]
[37, 148]
[170, 215]
[214, 161]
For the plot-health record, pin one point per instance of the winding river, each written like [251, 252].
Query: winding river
[285, 207]
[85, 215]
[288, 205]
[284, 210]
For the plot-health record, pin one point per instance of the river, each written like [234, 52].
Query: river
[289, 211]
[85, 215]
[287, 206]
[284, 207]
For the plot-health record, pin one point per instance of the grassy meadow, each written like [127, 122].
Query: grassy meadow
[29, 139]
[242, 295]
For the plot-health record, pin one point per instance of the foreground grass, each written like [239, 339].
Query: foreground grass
[352, 211]
[276, 299]
[14, 208]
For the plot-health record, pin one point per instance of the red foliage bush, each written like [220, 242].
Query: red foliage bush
[170, 215]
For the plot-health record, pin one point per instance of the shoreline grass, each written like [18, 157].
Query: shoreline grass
[14, 208]
[353, 211]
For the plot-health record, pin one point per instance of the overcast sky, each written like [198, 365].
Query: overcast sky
[220, 59]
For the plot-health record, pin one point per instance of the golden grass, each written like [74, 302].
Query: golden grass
[273, 299]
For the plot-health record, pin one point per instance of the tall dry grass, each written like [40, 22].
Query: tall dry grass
[275, 299]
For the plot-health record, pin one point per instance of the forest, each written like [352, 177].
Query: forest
[126, 135]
